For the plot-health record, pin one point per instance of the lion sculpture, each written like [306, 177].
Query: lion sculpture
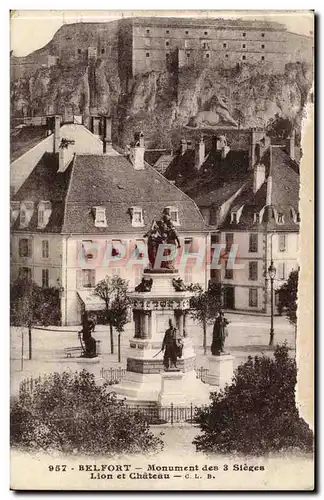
[218, 114]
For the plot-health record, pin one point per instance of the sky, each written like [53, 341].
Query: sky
[32, 29]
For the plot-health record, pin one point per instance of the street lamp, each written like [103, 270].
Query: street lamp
[272, 274]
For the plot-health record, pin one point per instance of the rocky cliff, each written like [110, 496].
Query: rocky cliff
[165, 105]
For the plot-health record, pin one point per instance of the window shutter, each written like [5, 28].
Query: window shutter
[30, 247]
[78, 279]
[93, 278]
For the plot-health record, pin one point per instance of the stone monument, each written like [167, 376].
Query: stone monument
[220, 363]
[161, 368]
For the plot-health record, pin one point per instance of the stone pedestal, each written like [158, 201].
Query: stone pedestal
[152, 311]
[172, 389]
[221, 369]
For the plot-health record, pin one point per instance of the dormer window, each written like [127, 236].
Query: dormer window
[295, 215]
[26, 212]
[233, 217]
[137, 216]
[280, 218]
[174, 215]
[44, 212]
[14, 212]
[256, 218]
[100, 217]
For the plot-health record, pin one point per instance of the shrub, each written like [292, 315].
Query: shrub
[257, 413]
[68, 412]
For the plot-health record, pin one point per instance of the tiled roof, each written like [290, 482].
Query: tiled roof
[114, 183]
[104, 180]
[23, 139]
[284, 196]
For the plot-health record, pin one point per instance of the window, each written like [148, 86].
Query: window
[253, 242]
[228, 273]
[281, 270]
[243, 58]
[188, 245]
[262, 46]
[262, 58]
[23, 216]
[298, 217]
[186, 44]
[280, 218]
[233, 217]
[205, 45]
[167, 43]
[147, 30]
[256, 218]
[253, 297]
[15, 208]
[167, 32]
[45, 280]
[86, 278]
[137, 216]
[25, 273]
[139, 249]
[114, 248]
[41, 216]
[226, 56]
[147, 54]
[282, 242]
[188, 54]
[187, 32]
[253, 270]
[244, 34]
[262, 34]
[79, 51]
[207, 56]
[224, 45]
[102, 51]
[25, 247]
[205, 32]
[44, 212]
[100, 217]
[173, 213]
[243, 46]
[229, 238]
[89, 250]
[45, 249]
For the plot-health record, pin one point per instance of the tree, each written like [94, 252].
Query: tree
[31, 304]
[69, 413]
[279, 128]
[113, 291]
[204, 306]
[287, 295]
[257, 413]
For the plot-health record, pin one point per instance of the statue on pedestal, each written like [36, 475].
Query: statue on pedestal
[162, 232]
[219, 334]
[88, 326]
[172, 346]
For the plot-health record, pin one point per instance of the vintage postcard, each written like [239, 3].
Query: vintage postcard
[161, 294]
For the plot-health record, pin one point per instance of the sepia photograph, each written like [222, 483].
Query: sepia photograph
[161, 250]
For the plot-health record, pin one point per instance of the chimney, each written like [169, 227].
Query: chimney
[292, 144]
[199, 153]
[183, 146]
[258, 177]
[137, 151]
[57, 137]
[107, 136]
[96, 125]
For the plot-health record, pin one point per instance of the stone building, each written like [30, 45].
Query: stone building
[248, 193]
[73, 222]
[139, 45]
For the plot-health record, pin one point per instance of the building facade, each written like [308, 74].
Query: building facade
[74, 223]
[139, 45]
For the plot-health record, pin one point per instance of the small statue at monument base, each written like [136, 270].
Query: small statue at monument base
[172, 346]
[219, 335]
